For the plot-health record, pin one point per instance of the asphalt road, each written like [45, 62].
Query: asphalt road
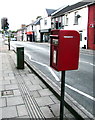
[79, 83]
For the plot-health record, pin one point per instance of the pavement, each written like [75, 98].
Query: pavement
[73, 106]
[22, 92]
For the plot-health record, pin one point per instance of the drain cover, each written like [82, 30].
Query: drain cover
[7, 92]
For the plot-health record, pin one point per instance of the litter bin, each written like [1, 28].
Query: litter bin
[20, 57]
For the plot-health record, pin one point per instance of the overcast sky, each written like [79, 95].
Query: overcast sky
[24, 11]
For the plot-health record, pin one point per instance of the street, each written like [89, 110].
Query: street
[79, 83]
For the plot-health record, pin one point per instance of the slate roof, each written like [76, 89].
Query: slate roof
[37, 22]
[50, 11]
[21, 29]
[70, 8]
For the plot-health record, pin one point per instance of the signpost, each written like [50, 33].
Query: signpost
[9, 40]
[62, 102]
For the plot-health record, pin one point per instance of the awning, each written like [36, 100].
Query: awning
[29, 33]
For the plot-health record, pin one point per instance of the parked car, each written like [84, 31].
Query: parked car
[13, 39]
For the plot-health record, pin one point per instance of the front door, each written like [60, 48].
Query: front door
[91, 27]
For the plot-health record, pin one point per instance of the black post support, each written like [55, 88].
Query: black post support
[62, 95]
[9, 42]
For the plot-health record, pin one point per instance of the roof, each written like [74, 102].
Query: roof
[50, 11]
[88, 0]
[21, 29]
[70, 8]
[37, 22]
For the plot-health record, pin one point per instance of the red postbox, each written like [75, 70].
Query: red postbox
[64, 49]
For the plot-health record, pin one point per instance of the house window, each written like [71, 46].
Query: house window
[66, 20]
[63, 21]
[60, 25]
[60, 22]
[52, 23]
[45, 22]
[80, 36]
[56, 25]
[75, 18]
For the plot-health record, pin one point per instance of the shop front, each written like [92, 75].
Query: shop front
[44, 35]
[30, 36]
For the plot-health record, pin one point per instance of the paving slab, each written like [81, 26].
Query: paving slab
[45, 92]
[14, 101]
[34, 87]
[11, 87]
[35, 94]
[11, 74]
[55, 109]
[0, 113]
[34, 81]
[8, 77]
[9, 112]
[16, 92]
[5, 74]
[13, 81]
[46, 111]
[0, 83]
[2, 102]
[28, 82]
[43, 101]
[1, 87]
[22, 110]
[6, 82]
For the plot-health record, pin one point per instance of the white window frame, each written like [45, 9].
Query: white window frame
[63, 21]
[75, 18]
[45, 22]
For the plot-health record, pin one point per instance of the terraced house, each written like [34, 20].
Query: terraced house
[80, 17]
[45, 25]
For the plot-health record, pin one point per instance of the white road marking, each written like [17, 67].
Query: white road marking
[57, 79]
[80, 92]
[50, 69]
[52, 72]
[39, 63]
[27, 55]
[87, 63]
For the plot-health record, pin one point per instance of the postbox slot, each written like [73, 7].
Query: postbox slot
[54, 36]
